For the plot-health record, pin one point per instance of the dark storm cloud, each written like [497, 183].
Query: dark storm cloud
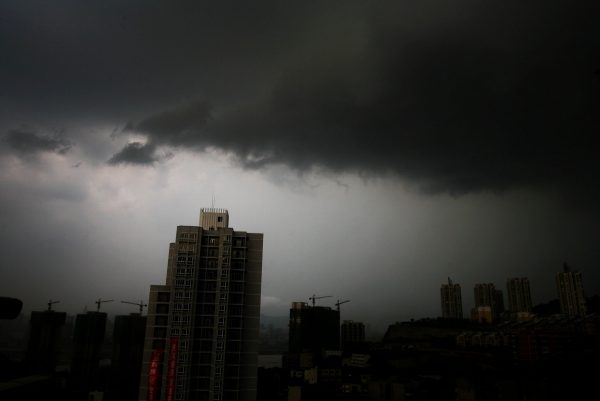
[28, 143]
[135, 153]
[485, 97]
[457, 96]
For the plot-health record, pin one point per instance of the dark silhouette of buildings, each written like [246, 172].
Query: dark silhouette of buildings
[45, 337]
[352, 334]
[314, 359]
[313, 328]
[126, 361]
[88, 339]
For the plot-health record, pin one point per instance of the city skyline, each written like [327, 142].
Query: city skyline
[402, 142]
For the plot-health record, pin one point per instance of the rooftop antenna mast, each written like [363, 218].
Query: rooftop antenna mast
[50, 303]
[100, 302]
[315, 297]
[141, 305]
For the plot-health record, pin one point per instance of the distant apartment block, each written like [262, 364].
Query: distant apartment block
[352, 333]
[519, 295]
[569, 285]
[451, 300]
[313, 328]
[488, 302]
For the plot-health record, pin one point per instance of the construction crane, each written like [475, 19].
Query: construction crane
[100, 301]
[338, 303]
[315, 297]
[50, 303]
[141, 305]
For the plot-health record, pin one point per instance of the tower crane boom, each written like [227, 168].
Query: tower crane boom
[141, 304]
[50, 303]
[100, 301]
[315, 297]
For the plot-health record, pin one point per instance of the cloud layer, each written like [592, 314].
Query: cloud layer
[456, 96]
[26, 142]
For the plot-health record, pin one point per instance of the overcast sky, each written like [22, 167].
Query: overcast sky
[379, 146]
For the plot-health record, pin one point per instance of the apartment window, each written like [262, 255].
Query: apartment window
[223, 298]
[222, 308]
[218, 370]
[185, 331]
[175, 331]
[221, 321]
[163, 297]
[182, 307]
[220, 345]
[220, 333]
[162, 309]
[183, 319]
[181, 370]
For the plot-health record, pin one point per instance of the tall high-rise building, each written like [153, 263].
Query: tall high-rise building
[88, 339]
[519, 294]
[45, 335]
[570, 292]
[126, 361]
[202, 329]
[486, 301]
[451, 300]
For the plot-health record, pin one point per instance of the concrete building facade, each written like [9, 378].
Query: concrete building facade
[203, 324]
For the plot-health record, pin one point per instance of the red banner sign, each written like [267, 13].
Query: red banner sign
[172, 368]
[153, 374]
